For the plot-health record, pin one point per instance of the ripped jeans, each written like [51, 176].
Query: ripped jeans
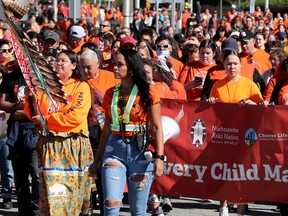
[123, 162]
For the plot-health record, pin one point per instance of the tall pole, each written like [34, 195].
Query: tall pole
[173, 15]
[221, 3]
[55, 9]
[252, 6]
[126, 13]
[266, 4]
[157, 16]
[191, 4]
[137, 3]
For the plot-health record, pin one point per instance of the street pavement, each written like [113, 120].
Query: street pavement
[182, 207]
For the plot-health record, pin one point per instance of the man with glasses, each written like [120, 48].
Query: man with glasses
[76, 37]
[105, 28]
[164, 48]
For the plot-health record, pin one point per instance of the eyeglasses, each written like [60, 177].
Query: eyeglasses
[159, 46]
[62, 61]
[6, 50]
[101, 25]
[273, 59]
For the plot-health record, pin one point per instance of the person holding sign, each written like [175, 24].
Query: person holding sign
[234, 88]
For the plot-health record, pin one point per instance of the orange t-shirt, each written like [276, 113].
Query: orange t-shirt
[78, 48]
[71, 117]
[188, 73]
[176, 65]
[104, 81]
[6, 61]
[259, 59]
[137, 114]
[165, 92]
[233, 92]
[283, 94]
[271, 84]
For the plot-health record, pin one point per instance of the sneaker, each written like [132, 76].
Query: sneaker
[223, 211]
[166, 205]
[7, 203]
[153, 202]
[158, 212]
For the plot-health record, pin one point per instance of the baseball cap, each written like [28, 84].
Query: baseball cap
[48, 34]
[4, 26]
[165, 33]
[76, 32]
[246, 35]
[127, 40]
[25, 26]
[235, 33]
[179, 37]
[229, 44]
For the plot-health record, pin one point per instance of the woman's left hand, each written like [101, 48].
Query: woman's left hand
[158, 168]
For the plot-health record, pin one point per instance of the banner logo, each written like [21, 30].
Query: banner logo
[198, 132]
[250, 137]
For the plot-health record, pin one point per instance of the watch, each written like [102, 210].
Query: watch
[161, 157]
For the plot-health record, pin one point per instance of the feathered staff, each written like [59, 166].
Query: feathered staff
[37, 72]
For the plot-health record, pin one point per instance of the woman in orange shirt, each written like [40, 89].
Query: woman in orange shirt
[234, 89]
[65, 153]
[128, 106]
[163, 80]
[193, 74]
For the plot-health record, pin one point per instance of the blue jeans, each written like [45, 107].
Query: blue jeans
[134, 168]
[7, 175]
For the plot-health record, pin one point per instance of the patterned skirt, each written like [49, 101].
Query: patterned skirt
[65, 186]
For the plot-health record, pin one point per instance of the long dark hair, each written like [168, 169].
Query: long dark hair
[77, 72]
[135, 64]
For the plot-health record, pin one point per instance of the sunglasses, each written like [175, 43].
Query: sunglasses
[101, 25]
[6, 50]
[159, 46]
